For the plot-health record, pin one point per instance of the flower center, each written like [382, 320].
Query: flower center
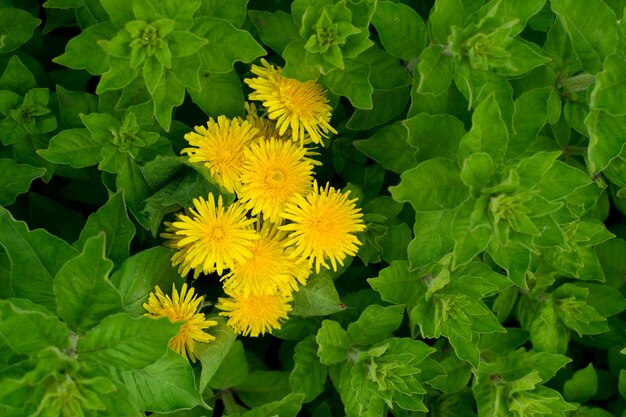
[277, 176]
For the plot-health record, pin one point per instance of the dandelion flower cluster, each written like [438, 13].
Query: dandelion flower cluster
[265, 244]
[181, 307]
[295, 105]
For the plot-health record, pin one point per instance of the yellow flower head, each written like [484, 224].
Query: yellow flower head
[220, 146]
[212, 237]
[299, 106]
[183, 308]
[323, 226]
[273, 174]
[268, 269]
[255, 314]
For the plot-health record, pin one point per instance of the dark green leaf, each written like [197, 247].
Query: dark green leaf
[83, 51]
[76, 147]
[308, 375]
[402, 31]
[431, 186]
[17, 27]
[591, 27]
[36, 256]
[16, 179]
[84, 294]
[233, 370]
[125, 342]
[396, 284]
[27, 327]
[353, 83]
[113, 220]
[226, 45]
[333, 342]
[375, 323]
[261, 387]
[17, 78]
[276, 29]
[164, 386]
[212, 354]
[317, 298]
[389, 148]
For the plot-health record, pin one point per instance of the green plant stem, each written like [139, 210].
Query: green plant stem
[230, 405]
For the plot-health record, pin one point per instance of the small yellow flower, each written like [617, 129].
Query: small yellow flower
[299, 106]
[212, 237]
[268, 269]
[220, 146]
[183, 308]
[323, 226]
[273, 174]
[255, 314]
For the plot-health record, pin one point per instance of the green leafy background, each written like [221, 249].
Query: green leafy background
[484, 139]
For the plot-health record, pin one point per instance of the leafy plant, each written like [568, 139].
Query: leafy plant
[460, 254]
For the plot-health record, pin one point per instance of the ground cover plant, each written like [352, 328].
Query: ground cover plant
[312, 207]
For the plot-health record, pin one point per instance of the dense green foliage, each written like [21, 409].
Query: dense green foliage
[484, 139]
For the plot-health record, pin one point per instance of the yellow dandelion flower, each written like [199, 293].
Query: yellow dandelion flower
[299, 106]
[213, 237]
[323, 226]
[255, 314]
[299, 267]
[181, 307]
[274, 172]
[268, 269]
[219, 146]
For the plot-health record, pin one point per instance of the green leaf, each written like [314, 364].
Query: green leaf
[233, 11]
[444, 15]
[287, 407]
[604, 143]
[609, 88]
[17, 28]
[164, 386]
[317, 298]
[276, 29]
[433, 185]
[84, 294]
[622, 383]
[435, 135]
[308, 375]
[477, 171]
[226, 45]
[27, 327]
[333, 342]
[36, 256]
[16, 179]
[592, 29]
[212, 354]
[219, 94]
[488, 134]
[169, 94]
[140, 273]
[389, 148]
[433, 237]
[471, 236]
[353, 83]
[83, 51]
[396, 284]
[387, 104]
[119, 11]
[113, 220]
[402, 31]
[74, 103]
[295, 63]
[386, 71]
[374, 324]
[261, 387]
[125, 342]
[582, 386]
[76, 147]
[17, 78]
[435, 70]
[233, 370]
